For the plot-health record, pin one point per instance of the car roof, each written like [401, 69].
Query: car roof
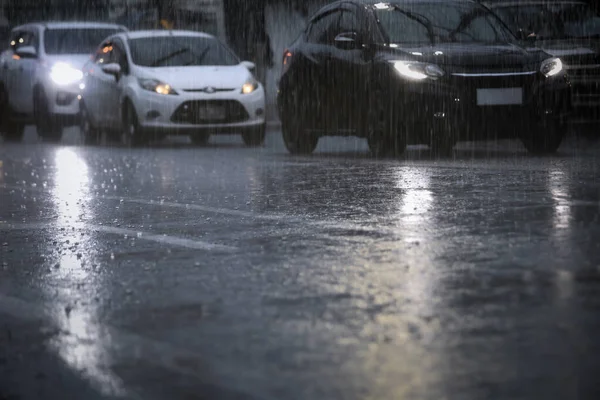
[373, 2]
[163, 33]
[512, 3]
[70, 24]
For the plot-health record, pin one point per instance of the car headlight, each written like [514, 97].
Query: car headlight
[417, 71]
[551, 66]
[156, 86]
[63, 74]
[249, 86]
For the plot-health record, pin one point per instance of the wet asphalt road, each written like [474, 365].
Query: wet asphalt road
[174, 272]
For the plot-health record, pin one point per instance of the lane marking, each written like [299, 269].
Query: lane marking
[141, 235]
[276, 217]
[127, 347]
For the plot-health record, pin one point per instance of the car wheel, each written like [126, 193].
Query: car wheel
[387, 136]
[545, 138]
[46, 127]
[296, 137]
[89, 133]
[131, 133]
[200, 138]
[11, 131]
[255, 136]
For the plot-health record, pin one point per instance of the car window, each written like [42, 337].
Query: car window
[23, 38]
[175, 51]
[324, 29]
[349, 22]
[75, 40]
[553, 21]
[403, 29]
[442, 22]
[532, 19]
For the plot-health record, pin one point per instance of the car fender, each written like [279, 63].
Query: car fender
[131, 92]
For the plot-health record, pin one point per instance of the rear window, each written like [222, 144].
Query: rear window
[75, 40]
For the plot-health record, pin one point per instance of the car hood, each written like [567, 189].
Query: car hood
[74, 60]
[472, 56]
[573, 52]
[195, 78]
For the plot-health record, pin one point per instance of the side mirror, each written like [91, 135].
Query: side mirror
[26, 52]
[113, 69]
[347, 41]
[250, 65]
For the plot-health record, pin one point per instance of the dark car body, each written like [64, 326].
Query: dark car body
[566, 29]
[343, 79]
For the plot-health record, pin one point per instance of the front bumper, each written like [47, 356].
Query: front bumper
[190, 112]
[451, 106]
[63, 102]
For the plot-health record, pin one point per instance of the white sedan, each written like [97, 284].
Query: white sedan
[148, 84]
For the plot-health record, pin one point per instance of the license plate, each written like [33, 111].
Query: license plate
[499, 97]
[211, 112]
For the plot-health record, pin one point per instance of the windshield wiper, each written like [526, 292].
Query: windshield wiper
[423, 20]
[169, 56]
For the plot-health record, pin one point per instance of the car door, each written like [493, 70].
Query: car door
[118, 56]
[318, 69]
[20, 73]
[351, 68]
[10, 67]
[100, 87]
[27, 70]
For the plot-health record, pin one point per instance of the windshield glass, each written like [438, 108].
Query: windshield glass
[75, 40]
[440, 22]
[176, 51]
[552, 21]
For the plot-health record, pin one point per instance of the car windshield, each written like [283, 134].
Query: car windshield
[553, 21]
[421, 23]
[75, 40]
[176, 51]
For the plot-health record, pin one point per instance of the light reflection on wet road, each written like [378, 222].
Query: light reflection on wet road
[234, 273]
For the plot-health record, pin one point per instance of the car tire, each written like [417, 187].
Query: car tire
[254, 137]
[131, 132]
[10, 130]
[296, 137]
[544, 138]
[48, 130]
[90, 134]
[200, 138]
[387, 136]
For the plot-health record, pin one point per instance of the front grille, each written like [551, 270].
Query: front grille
[207, 90]
[210, 112]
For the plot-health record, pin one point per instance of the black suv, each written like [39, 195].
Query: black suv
[567, 29]
[418, 72]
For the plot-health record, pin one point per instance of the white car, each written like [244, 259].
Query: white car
[148, 84]
[40, 75]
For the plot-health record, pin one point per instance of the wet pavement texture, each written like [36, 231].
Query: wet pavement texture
[175, 272]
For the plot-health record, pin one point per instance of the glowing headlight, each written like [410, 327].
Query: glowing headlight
[156, 86]
[63, 74]
[551, 66]
[249, 87]
[417, 71]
